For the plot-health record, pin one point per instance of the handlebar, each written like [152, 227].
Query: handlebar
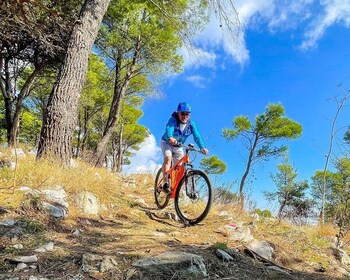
[189, 147]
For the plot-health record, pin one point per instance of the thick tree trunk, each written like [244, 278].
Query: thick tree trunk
[61, 114]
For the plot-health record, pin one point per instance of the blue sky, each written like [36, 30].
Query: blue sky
[290, 52]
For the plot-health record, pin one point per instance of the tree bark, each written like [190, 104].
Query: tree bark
[61, 113]
[246, 172]
[120, 150]
[118, 95]
[13, 102]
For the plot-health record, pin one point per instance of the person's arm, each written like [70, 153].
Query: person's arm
[170, 127]
[198, 139]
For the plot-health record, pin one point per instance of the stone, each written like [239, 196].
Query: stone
[24, 259]
[341, 255]
[19, 151]
[174, 261]
[47, 247]
[88, 203]
[8, 222]
[95, 263]
[55, 210]
[262, 248]
[56, 194]
[223, 255]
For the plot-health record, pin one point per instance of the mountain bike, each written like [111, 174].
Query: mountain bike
[191, 189]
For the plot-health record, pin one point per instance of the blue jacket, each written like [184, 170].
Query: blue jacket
[173, 130]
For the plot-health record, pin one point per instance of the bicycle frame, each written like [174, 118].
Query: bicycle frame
[177, 172]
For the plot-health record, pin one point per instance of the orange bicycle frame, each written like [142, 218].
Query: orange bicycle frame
[177, 172]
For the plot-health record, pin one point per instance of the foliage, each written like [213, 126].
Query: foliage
[33, 37]
[213, 165]
[223, 195]
[93, 105]
[317, 187]
[29, 128]
[289, 194]
[338, 208]
[264, 213]
[36, 29]
[140, 42]
[128, 135]
[261, 138]
[347, 136]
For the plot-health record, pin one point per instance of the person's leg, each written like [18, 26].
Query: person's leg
[177, 153]
[167, 154]
[166, 166]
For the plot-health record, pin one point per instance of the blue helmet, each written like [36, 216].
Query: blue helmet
[183, 107]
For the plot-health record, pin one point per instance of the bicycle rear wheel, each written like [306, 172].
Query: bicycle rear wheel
[161, 198]
[193, 197]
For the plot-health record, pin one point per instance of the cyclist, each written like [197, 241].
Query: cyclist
[177, 130]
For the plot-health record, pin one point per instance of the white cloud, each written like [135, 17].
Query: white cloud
[310, 16]
[195, 57]
[196, 80]
[146, 160]
[335, 11]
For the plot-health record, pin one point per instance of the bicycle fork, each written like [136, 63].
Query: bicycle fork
[190, 184]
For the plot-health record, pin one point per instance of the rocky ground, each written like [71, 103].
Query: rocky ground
[131, 239]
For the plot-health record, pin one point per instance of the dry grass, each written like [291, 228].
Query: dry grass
[132, 229]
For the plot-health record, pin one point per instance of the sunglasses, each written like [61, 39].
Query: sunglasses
[184, 114]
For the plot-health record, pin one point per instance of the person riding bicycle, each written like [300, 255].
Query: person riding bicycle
[178, 129]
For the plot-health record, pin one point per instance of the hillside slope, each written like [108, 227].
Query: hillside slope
[128, 227]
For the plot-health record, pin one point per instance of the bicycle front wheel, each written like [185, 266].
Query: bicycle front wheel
[193, 197]
[161, 198]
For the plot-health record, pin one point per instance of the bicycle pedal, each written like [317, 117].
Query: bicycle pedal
[166, 188]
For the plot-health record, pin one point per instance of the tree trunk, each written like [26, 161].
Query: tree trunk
[61, 113]
[120, 151]
[246, 172]
[118, 95]
[14, 102]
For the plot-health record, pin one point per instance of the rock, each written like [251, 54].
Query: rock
[56, 194]
[341, 255]
[241, 234]
[276, 268]
[47, 247]
[130, 273]
[18, 246]
[141, 202]
[262, 248]
[181, 262]
[21, 266]
[88, 203]
[224, 214]
[20, 153]
[159, 234]
[97, 263]
[8, 222]
[223, 255]
[55, 210]
[24, 259]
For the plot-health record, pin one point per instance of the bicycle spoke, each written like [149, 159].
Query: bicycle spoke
[161, 198]
[194, 197]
